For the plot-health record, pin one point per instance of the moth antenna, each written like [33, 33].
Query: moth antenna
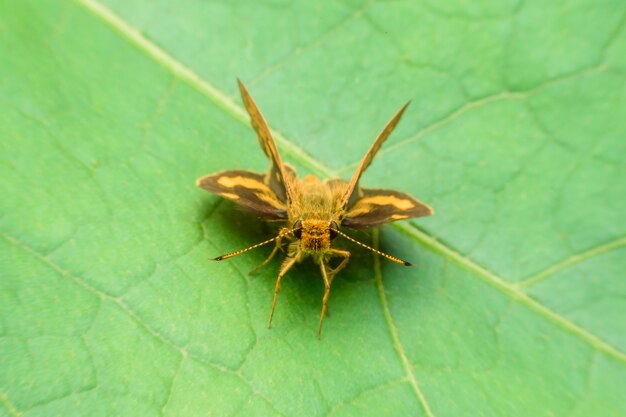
[391, 258]
[240, 251]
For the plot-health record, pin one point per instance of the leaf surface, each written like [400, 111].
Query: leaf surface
[110, 111]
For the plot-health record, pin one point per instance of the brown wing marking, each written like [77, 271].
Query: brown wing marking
[277, 177]
[347, 199]
[247, 189]
[378, 206]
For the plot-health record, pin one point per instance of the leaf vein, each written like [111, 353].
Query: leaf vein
[309, 46]
[124, 307]
[571, 261]
[11, 409]
[364, 393]
[509, 289]
[171, 386]
[476, 104]
[395, 337]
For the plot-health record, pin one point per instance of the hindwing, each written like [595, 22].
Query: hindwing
[247, 189]
[378, 206]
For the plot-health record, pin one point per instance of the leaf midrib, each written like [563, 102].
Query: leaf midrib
[225, 102]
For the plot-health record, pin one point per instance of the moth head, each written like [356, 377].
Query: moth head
[313, 227]
[314, 235]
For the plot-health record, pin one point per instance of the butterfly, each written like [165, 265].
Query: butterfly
[313, 212]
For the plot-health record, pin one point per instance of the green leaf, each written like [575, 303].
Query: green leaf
[110, 110]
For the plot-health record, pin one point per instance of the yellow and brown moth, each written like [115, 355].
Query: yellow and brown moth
[311, 210]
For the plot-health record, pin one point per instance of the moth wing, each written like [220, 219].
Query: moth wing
[378, 206]
[290, 170]
[349, 198]
[277, 178]
[248, 189]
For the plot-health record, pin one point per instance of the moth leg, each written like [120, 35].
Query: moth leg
[346, 257]
[333, 271]
[269, 258]
[327, 282]
[287, 264]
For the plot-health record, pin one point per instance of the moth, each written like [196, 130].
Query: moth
[312, 212]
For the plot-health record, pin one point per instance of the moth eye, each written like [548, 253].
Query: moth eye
[333, 229]
[297, 229]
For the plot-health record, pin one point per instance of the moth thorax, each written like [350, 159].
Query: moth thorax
[315, 235]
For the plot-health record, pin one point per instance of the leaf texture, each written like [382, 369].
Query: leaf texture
[110, 109]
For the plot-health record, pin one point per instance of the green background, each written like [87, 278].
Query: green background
[110, 109]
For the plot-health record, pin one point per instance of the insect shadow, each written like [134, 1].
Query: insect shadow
[228, 225]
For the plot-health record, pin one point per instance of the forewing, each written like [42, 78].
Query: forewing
[247, 189]
[377, 206]
[277, 178]
[348, 198]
